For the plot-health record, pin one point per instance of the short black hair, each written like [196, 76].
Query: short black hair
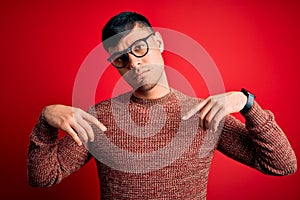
[122, 23]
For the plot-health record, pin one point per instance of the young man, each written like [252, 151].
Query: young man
[134, 135]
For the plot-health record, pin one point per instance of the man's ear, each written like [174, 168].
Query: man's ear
[159, 41]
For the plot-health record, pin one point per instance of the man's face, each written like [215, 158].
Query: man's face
[142, 72]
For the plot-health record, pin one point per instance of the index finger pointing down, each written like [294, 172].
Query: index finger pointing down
[194, 110]
[94, 121]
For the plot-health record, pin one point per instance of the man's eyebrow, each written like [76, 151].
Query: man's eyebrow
[121, 52]
[118, 53]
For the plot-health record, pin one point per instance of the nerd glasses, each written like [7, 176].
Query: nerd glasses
[139, 49]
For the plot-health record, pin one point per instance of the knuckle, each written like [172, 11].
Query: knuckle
[219, 104]
[72, 133]
[214, 121]
[207, 121]
[221, 111]
[78, 112]
[93, 120]
[84, 137]
[75, 114]
[89, 129]
[69, 118]
[212, 100]
[201, 116]
[64, 125]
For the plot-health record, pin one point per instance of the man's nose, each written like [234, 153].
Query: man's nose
[134, 61]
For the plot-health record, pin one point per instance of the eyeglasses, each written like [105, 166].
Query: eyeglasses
[139, 49]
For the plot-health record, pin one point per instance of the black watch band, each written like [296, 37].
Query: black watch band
[250, 100]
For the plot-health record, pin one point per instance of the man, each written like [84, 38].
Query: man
[152, 117]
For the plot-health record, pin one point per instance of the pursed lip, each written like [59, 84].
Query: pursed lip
[140, 74]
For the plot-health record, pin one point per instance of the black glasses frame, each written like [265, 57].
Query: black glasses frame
[129, 50]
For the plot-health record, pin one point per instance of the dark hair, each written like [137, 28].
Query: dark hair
[122, 23]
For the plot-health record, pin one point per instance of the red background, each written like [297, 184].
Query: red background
[255, 45]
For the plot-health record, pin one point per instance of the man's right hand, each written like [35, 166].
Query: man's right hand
[74, 121]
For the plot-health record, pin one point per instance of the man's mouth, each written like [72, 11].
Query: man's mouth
[140, 75]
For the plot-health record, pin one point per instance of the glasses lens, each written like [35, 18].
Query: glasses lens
[140, 48]
[120, 61]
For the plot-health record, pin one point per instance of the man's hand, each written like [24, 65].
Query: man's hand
[214, 108]
[74, 121]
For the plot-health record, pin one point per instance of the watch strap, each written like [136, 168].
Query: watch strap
[250, 100]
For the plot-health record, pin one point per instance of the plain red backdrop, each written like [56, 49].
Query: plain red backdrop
[43, 43]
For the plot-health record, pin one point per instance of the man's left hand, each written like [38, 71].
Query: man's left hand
[214, 108]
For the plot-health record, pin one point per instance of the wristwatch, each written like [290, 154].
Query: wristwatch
[250, 100]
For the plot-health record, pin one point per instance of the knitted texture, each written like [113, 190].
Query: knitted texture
[148, 152]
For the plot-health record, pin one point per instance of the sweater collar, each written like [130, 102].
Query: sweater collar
[162, 100]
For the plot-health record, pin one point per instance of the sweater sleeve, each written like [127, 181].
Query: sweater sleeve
[259, 143]
[49, 159]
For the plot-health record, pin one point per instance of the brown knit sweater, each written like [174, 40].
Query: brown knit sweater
[148, 152]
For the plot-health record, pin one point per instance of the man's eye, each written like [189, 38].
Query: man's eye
[120, 58]
[139, 47]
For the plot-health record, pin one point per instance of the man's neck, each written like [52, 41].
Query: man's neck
[155, 93]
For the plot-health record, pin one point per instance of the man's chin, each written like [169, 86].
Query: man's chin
[145, 88]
